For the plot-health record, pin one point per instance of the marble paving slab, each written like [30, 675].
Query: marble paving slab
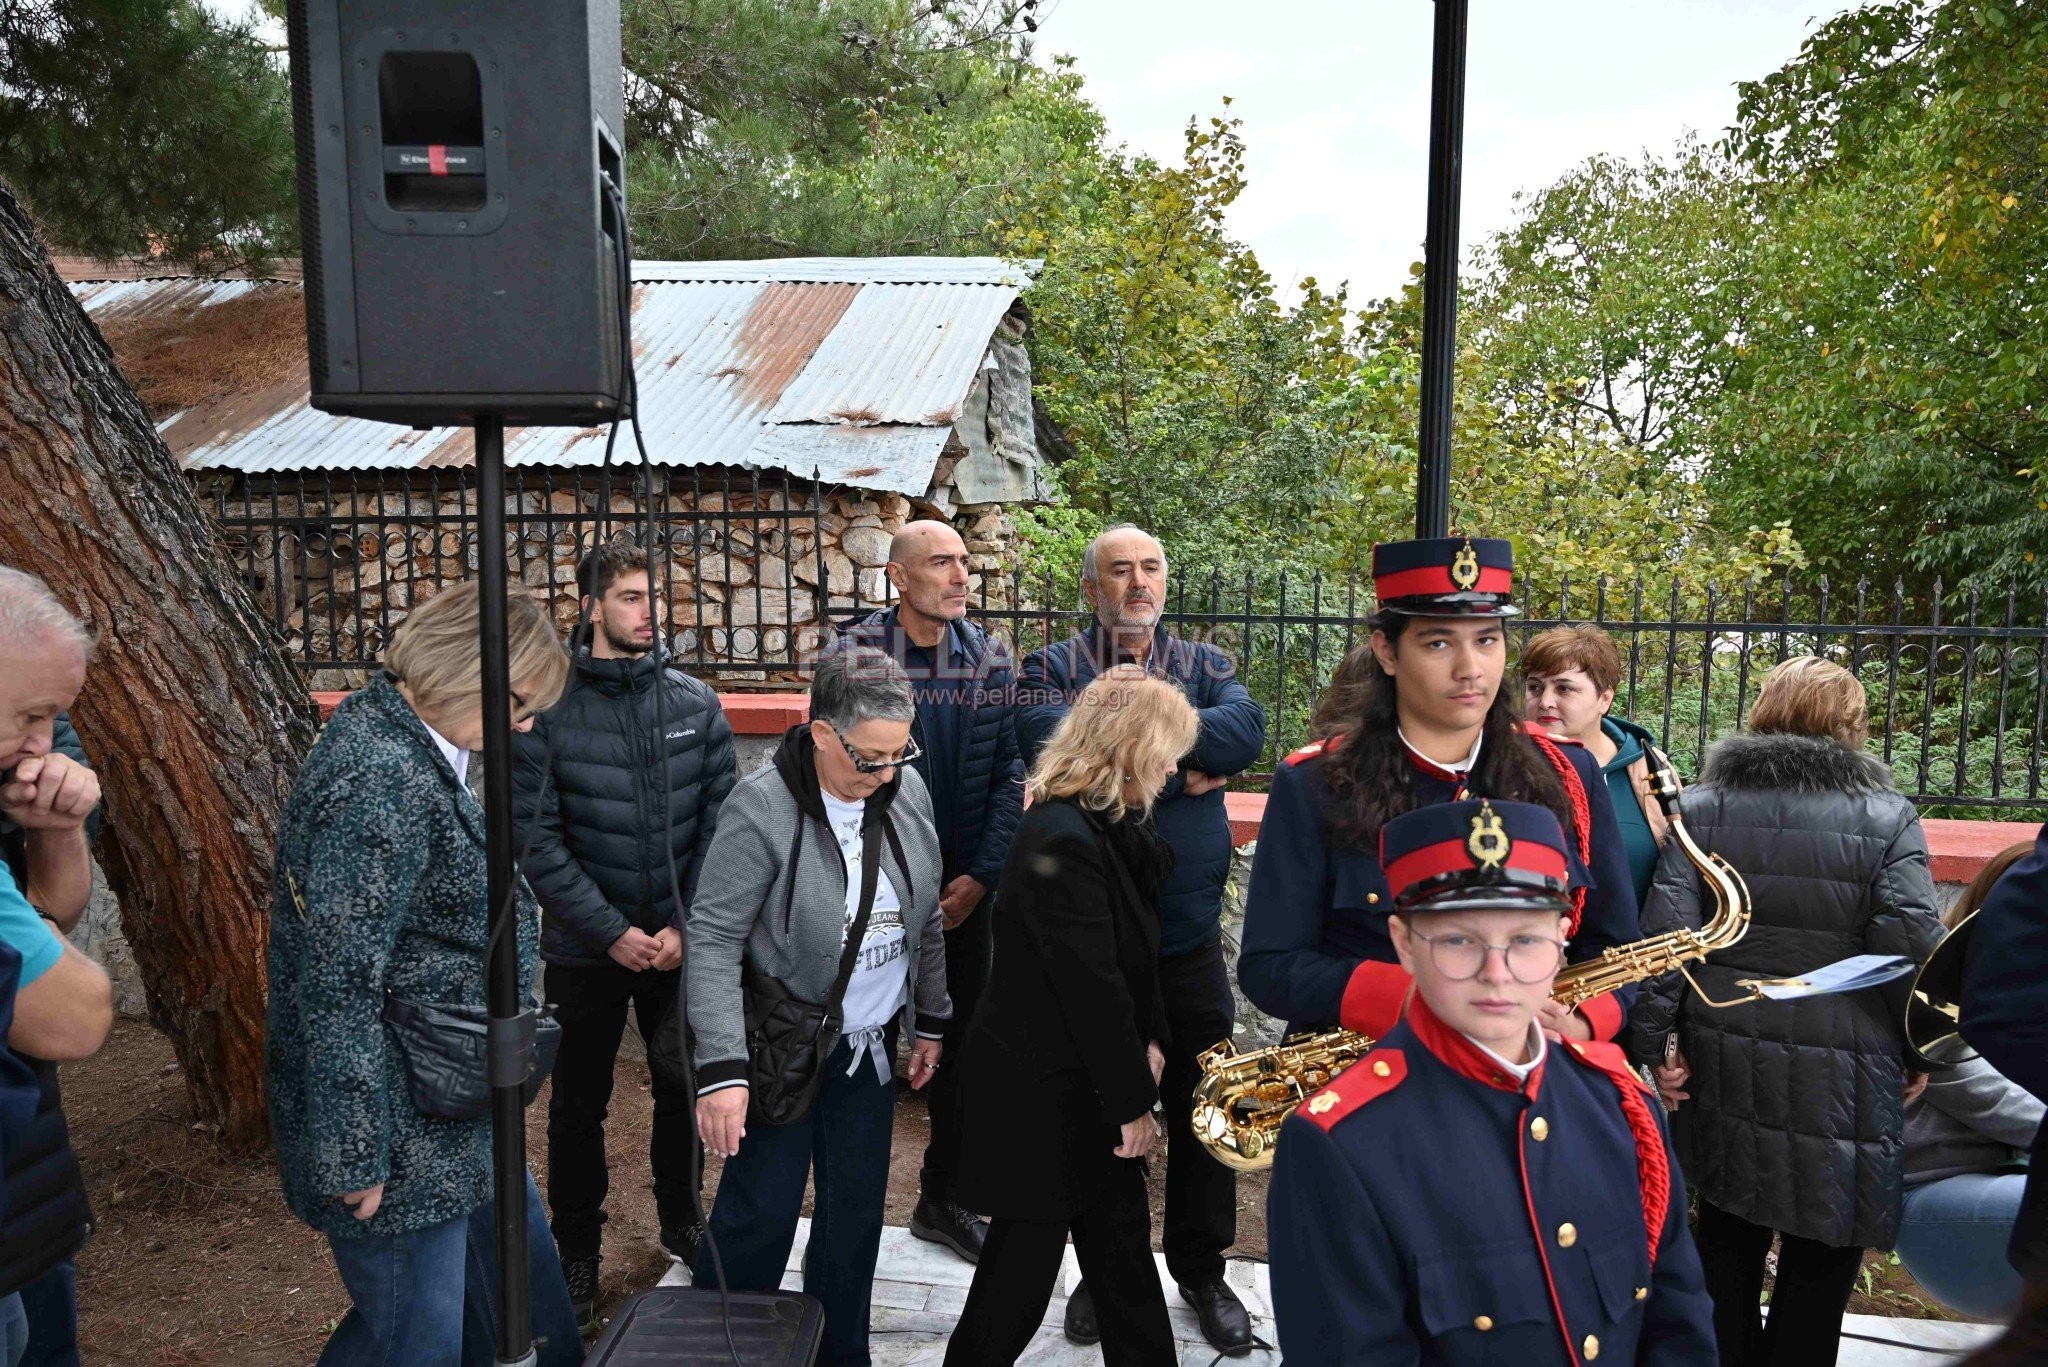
[920, 1288]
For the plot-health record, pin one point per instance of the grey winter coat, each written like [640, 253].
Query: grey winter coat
[1971, 1118]
[772, 893]
[1797, 1118]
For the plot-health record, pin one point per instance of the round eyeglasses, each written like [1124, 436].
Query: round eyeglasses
[1530, 958]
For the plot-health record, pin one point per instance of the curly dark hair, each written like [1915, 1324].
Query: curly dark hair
[602, 566]
[1371, 781]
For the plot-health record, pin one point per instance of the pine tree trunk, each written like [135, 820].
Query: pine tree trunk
[192, 713]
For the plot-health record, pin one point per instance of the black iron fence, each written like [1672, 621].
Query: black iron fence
[756, 571]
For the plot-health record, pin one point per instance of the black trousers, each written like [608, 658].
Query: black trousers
[1808, 1299]
[591, 1004]
[1020, 1263]
[1201, 1193]
[969, 951]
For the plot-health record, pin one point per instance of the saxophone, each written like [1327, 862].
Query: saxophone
[1241, 1098]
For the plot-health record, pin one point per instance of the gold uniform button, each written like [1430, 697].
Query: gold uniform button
[1567, 1234]
[1372, 899]
[1642, 1293]
[1380, 1068]
[1483, 1323]
[1539, 1129]
[1590, 1349]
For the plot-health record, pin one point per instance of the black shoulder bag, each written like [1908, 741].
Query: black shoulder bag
[788, 1040]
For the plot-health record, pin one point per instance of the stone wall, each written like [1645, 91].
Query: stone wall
[755, 565]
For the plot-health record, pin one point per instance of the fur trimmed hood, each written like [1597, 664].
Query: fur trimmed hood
[1800, 764]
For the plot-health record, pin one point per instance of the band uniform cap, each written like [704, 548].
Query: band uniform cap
[1445, 576]
[1477, 855]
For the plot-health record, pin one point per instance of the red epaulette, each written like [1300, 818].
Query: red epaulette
[1314, 748]
[1653, 1162]
[1375, 1075]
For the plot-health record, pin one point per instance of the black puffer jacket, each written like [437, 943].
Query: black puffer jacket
[1796, 1120]
[595, 859]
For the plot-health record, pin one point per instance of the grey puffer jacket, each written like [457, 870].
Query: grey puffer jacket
[1797, 1118]
[772, 893]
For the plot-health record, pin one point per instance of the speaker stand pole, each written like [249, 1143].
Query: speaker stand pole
[508, 1111]
[1440, 269]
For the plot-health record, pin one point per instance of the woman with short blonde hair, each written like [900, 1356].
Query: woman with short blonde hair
[1073, 1006]
[1809, 696]
[380, 910]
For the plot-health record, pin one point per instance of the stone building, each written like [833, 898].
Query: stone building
[795, 412]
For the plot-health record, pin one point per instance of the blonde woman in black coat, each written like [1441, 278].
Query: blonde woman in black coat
[1063, 1060]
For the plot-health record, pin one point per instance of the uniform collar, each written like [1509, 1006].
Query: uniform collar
[1455, 773]
[1465, 1058]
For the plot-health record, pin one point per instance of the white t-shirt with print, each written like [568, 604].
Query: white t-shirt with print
[880, 984]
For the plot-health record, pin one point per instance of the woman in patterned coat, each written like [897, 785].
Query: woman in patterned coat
[380, 888]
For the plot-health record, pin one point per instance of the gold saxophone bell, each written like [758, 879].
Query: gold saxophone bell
[1242, 1098]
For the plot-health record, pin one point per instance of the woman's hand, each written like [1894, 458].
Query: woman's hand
[364, 1203]
[924, 1062]
[1155, 1056]
[1671, 1079]
[1916, 1083]
[722, 1120]
[1139, 1137]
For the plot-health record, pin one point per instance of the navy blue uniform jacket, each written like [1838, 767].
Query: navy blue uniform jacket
[2005, 1018]
[1233, 733]
[1426, 1208]
[1316, 913]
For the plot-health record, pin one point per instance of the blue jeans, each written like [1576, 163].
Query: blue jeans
[51, 1304]
[761, 1194]
[429, 1298]
[1952, 1238]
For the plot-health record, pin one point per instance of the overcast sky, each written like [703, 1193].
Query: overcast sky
[1334, 95]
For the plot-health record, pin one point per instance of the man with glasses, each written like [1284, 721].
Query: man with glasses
[965, 750]
[1123, 577]
[1476, 1188]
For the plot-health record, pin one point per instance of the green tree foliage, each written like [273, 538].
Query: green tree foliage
[146, 127]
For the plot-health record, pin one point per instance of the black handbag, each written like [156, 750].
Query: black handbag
[446, 1052]
[789, 1039]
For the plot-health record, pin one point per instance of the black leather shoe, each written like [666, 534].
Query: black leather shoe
[1225, 1322]
[1082, 1326]
[939, 1220]
[680, 1243]
[581, 1274]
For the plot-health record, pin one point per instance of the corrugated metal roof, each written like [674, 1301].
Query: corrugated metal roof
[853, 368]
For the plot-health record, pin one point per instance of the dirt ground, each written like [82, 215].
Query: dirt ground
[197, 1261]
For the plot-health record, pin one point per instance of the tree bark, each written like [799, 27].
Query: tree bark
[192, 712]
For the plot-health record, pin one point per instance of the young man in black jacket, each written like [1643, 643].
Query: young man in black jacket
[966, 732]
[617, 793]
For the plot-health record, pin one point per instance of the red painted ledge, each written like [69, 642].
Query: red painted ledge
[1956, 849]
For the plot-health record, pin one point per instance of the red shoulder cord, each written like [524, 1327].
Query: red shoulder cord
[1582, 814]
[1653, 1165]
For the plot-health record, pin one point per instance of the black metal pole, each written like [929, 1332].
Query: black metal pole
[508, 1111]
[1440, 270]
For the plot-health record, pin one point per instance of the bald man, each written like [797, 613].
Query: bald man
[64, 1008]
[964, 686]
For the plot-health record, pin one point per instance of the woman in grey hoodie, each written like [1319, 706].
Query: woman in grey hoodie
[1967, 1137]
[779, 892]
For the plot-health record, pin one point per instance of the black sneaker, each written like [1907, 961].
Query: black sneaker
[941, 1221]
[680, 1243]
[581, 1274]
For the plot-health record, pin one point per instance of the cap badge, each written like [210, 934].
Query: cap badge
[1465, 567]
[1488, 844]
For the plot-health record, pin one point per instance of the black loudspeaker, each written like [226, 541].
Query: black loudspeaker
[461, 186]
[677, 1324]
